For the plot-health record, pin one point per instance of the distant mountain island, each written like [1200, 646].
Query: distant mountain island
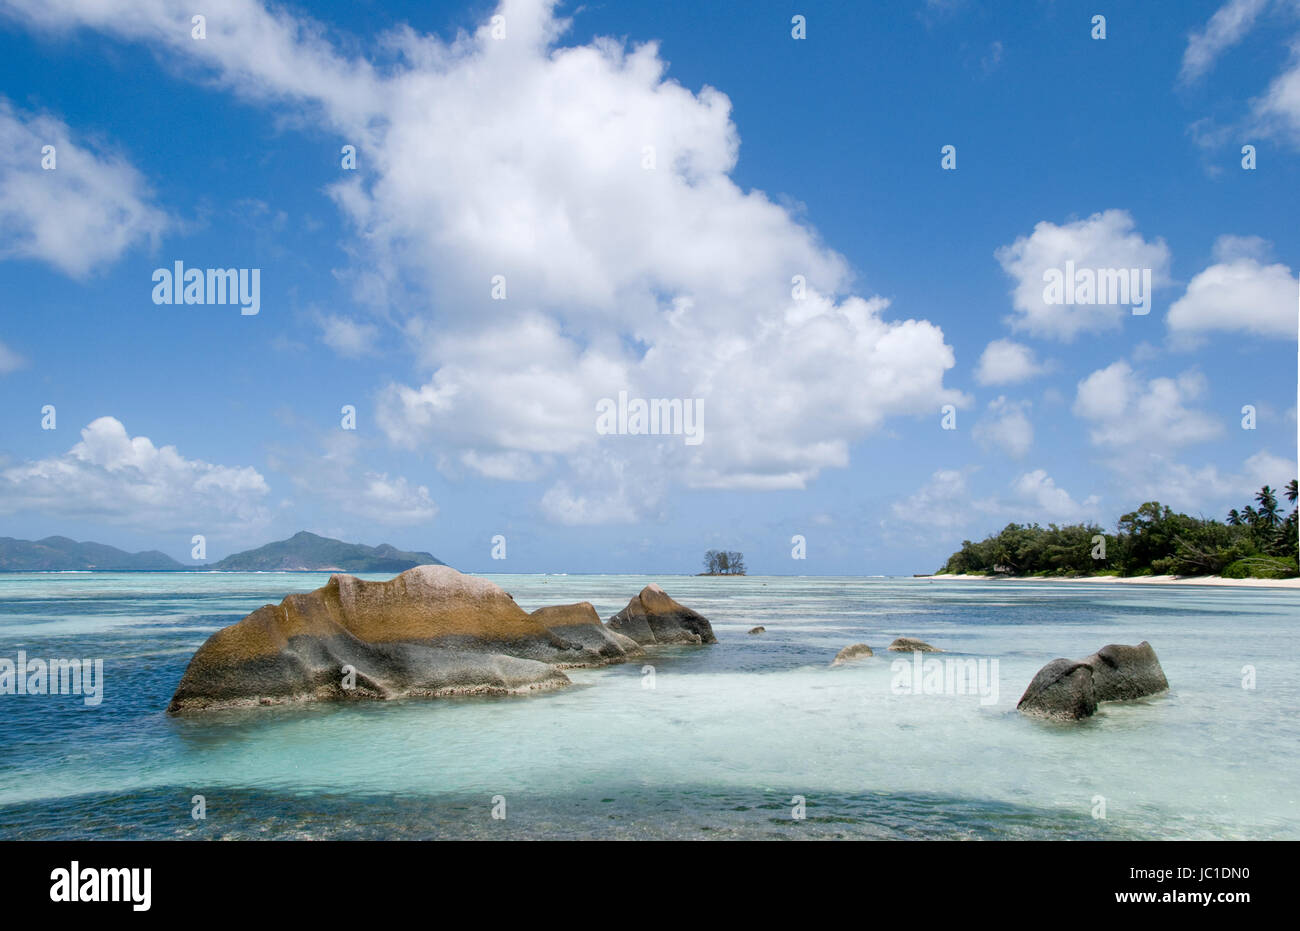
[307, 551]
[63, 553]
[303, 552]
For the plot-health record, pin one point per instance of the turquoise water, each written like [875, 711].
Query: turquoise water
[721, 745]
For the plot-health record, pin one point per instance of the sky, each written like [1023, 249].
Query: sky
[474, 225]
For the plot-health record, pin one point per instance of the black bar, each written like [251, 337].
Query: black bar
[939, 879]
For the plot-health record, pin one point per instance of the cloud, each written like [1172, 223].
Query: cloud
[1140, 423]
[511, 466]
[349, 338]
[85, 212]
[608, 491]
[1038, 495]
[1193, 488]
[114, 477]
[1277, 111]
[10, 361]
[946, 503]
[520, 161]
[1229, 247]
[942, 504]
[1274, 113]
[989, 63]
[692, 301]
[1005, 362]
[254, 52]
[1104, 240]
[1238, 293]
[1226, 28]
[1127, 413]
[1007, 428]
[335, 475]
[392, 500]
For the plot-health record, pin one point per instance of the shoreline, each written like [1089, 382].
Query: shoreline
[1191, 580]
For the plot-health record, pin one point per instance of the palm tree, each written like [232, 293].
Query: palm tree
[1234, 518]
[1269, 514]
[1291, 494]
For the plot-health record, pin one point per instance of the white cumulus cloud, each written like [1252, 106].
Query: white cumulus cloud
[1006, 362]
[594, 193]
[1127, 411]
[84, 212]
[1104, 240]
[1042, 501]
[112, 476]
[1238, 293]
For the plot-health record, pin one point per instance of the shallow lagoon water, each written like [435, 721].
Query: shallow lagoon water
[720, 746]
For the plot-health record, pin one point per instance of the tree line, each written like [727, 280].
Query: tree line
[724, 562]
[1257, 541]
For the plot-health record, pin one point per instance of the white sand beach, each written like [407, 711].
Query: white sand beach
[1132, 580]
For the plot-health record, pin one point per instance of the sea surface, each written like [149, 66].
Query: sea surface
[755, 737]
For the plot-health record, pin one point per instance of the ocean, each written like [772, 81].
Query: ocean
[755, 737]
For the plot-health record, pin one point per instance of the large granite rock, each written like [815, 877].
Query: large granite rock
[1062, 689]
[1069, 689]
[580, 624]
[429, 631]
[1121, 672]
[652, 617]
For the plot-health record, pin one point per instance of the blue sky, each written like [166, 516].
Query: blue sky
[523, 155]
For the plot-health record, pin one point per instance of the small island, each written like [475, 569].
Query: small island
[723, 562]
[1256, 542]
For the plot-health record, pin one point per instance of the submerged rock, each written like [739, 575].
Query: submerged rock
[1121, 672]
[429, 631]
[579, 624]
[760, 629]
[856, 651]
[1117, 672]
[911, 645]
[652, 617]
[1061, 689]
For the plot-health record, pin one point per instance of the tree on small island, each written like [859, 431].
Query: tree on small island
[723, 562]
[1255, 542]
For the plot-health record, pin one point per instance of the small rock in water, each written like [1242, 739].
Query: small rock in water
[653, 617]
[1121, 672]
[1071, 690]
[1061, 689]
[856, 651]
[912, 645]
[758, 630]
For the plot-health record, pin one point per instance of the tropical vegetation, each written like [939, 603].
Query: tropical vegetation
[723, 562]
[1257, 541]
